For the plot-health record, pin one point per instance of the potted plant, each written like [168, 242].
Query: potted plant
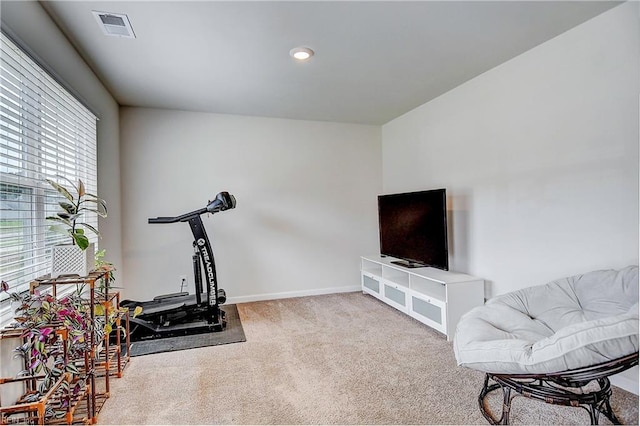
[105, 317]
[77, 257]
[56, 335]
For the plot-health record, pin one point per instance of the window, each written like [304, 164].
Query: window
[44, 133]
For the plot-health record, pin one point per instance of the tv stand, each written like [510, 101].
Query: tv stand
[434, 297]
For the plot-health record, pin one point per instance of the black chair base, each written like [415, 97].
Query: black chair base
[567, 388]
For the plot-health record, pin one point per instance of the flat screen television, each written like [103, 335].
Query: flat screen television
[413, 228]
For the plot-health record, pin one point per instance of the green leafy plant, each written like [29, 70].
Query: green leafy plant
[56, 338]
[105, 321]
[104, 265]
[56, 333]
[111, 312]
[106, 317]
[77, 202]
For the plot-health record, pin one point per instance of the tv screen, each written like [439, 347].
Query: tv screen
[413, 228]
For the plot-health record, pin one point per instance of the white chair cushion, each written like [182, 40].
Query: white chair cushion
[567, 324]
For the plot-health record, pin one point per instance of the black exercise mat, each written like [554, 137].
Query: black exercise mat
[232, 333]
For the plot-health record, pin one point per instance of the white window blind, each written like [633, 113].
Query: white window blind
[45, 132]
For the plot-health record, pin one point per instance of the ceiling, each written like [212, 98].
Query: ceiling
[373, 62]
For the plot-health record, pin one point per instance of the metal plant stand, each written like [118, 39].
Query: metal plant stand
[567, 388]
[101, 360]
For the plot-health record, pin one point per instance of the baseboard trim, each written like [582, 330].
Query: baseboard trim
[625, 383]
[290, 294]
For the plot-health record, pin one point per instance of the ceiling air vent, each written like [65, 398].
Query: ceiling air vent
[114, 24]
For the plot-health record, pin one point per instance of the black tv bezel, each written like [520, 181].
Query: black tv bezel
[410, 261]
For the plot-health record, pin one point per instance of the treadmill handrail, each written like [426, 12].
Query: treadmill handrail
[182, 218]
[222, 202]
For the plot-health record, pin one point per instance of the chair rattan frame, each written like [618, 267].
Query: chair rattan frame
[561, 388]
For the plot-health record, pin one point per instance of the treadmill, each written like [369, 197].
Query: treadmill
[183, 313]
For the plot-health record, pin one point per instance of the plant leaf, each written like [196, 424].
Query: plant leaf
[71, 183]
[101, 212]
[61, 189]
[80, 188]
[59, 219]
[95, 199]
[68, 207]
[67, 216]
[98, 310]
[81, 240]
[89, 227]
[137, 311]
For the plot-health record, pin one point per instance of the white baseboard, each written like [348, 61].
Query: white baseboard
[625, 382]
[289, 294]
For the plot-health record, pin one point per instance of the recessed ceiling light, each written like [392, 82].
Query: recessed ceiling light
[301, 53]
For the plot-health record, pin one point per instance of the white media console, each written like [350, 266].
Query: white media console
[434, 297]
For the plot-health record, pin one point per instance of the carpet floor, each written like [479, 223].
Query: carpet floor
[333, 359]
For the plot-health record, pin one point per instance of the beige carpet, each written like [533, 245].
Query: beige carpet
[334, 359]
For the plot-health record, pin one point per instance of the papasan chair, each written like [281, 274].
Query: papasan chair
[557, 343]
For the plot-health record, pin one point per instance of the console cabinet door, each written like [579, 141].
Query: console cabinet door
[372, 285]
[429, 311]
[395, 295]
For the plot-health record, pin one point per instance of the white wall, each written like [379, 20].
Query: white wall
[539, 156]
[306, 201]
